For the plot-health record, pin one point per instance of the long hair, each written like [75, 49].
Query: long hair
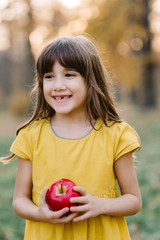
[79, 53]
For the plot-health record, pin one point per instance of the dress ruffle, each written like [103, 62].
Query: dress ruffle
[99, 228]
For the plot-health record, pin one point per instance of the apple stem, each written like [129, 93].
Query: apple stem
[61, 191]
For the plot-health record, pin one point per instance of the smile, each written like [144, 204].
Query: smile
[62, 97]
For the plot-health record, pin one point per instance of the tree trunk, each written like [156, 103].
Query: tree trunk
[148, 82]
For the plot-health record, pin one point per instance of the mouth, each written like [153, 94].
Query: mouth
[62, 97]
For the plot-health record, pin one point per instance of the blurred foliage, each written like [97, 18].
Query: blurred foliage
[19, 104]
[122, 31]
[25, 27]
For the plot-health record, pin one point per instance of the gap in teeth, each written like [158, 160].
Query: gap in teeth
[59, 98]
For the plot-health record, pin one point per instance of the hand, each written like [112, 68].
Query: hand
[90, 206]
[47, 215]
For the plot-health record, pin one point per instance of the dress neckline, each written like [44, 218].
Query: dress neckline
[86, 135]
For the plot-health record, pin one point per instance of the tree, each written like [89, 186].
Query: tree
[122, 28]
[28, 28]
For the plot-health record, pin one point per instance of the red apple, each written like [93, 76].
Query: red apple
[59, 193]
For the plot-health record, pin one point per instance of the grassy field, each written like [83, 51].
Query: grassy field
[11, 226]
[143, 226]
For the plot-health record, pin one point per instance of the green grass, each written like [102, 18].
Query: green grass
[12, 226]
[143, 226]
[146, 224]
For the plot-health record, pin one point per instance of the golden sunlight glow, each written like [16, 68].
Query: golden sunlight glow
[41, 3]
[37, 37]
[123, 48]
[156, 6]
[3, 4]
[136, 44]
[36, 40]
[66, 3]
[73, 27]
[156, 43]
[70, 3]
[4, 38]
[155, 25]
[4, 43]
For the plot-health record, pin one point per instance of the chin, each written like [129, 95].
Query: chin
[63, 111]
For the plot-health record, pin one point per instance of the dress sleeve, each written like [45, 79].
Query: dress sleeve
[23, 144]
[126, 140]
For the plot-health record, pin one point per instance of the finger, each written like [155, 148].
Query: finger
[78, 200]
[82, 217]
[66, 219]
[82, 208]
[70, 217]
[81, 190]
[43, 196]
[59, 214]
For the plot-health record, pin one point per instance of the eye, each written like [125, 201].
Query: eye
[70, 74]
[48, 76]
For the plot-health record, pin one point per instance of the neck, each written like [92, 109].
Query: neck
[71, 128]
[64, 120]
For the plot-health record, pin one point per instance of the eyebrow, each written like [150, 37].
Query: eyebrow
[65, 69]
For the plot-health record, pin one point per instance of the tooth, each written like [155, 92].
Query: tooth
[58, 98]
[65, 97]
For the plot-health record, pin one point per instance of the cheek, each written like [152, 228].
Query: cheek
[46, 88]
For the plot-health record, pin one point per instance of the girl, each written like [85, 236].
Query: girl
[75, 133]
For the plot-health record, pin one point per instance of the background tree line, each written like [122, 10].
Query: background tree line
[121, 28]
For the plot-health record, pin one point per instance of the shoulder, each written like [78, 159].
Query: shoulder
[118, 129]
[123, 128]
[34, 127]
[113, 126]
[120, 136]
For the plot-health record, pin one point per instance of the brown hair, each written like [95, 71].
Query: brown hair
[76, 52]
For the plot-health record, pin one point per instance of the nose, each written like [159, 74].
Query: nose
[59, 84]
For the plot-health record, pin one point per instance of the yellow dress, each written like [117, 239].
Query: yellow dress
[88, 162]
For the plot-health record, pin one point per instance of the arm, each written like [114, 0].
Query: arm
[22, 203]
[128, 203]
[130, 200]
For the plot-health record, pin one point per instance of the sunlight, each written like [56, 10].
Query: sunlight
[71, 3]
[156, 6]
[3, 4]
[41, 3]
[66, 3]
[156, 43]
[4, 38]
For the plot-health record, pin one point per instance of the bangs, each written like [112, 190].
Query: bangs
[68, 53]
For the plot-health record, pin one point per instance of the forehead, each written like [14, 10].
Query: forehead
[69, 54]
[58, 67]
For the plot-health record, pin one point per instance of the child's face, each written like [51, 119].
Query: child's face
[65, 90]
